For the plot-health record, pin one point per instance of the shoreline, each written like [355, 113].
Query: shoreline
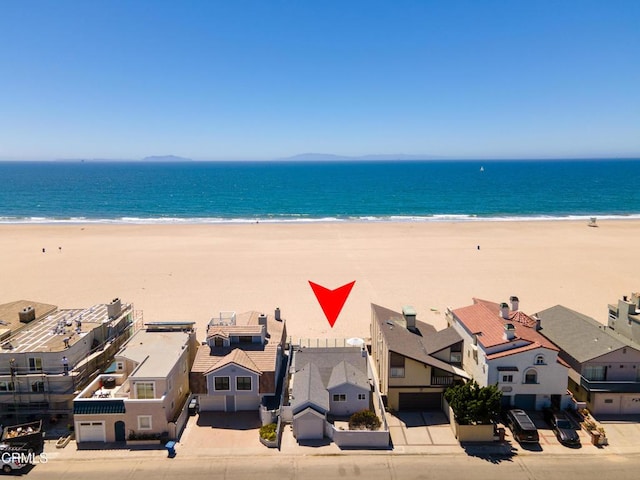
[306, 220]
[193, 271]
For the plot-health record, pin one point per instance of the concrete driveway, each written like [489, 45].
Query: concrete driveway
[224, 431]
[428, 428]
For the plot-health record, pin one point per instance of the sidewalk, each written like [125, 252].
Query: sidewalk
[223, 435]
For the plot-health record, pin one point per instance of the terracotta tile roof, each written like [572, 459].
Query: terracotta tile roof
[262, 357]
[483, 319]
[239, 357]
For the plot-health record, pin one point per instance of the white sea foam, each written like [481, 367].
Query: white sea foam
[298, 218]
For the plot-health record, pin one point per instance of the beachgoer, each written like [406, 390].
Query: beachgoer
[43, 250]
[65, 365]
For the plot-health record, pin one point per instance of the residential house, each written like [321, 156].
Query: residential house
[48, 354]
[605, 366]
[145, 396]
[414, 362]
[502, 345]
[624, 317]
[327, 381]
[238, 366]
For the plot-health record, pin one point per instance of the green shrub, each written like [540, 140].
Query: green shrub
[268, 432]
[365, 419]
[473, 404]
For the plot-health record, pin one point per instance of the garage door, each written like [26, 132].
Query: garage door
[631, 404]
[420, 401]
[525, 402]
[91, 432]
[308, 425]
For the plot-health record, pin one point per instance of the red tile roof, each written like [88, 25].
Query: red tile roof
[484, 320]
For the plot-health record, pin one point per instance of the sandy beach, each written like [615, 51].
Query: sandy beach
[191, 272]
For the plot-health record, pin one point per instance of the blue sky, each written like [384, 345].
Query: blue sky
[214, 80]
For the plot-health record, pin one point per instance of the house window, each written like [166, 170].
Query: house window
[35, 364]
[396, 362]
[221, 383]
[37, 386]
[7, 386]
[531, 376]
[243, 383]
[339, 397]
[144, 422]
[595, 373]
[145, 390]
[608, 400]
[540, 360]
[169, 385]
[218, 342]
[362, 396]
[455, 358]
[507, 378]
[245, 339]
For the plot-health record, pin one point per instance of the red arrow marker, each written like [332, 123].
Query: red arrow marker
[331, 301]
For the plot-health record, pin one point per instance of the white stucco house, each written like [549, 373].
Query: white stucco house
[503, 346]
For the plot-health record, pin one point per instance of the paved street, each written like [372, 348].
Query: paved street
[371, 467]
[216, 445]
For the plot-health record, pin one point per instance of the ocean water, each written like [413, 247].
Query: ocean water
[219, 192]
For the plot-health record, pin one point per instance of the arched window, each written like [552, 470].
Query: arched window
[531, 376]
[539, 359]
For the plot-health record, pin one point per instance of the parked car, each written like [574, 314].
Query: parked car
[522, 427]
[13, 457]
[562, 427]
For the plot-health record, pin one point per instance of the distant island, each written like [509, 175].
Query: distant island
[331, 157]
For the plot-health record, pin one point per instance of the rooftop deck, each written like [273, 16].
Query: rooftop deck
[53, 332]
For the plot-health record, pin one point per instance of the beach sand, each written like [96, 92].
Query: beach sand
[191, 272]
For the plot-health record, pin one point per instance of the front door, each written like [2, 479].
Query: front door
[119, 430]
[230, 403]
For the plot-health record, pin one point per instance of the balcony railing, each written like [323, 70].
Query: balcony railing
[441, 380]
[610, 386]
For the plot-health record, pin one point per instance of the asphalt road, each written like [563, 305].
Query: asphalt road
[369, 467]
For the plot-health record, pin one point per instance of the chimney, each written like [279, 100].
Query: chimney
[277, 314]
[262, 320]
[635, 299]
[514, 303]
[538, 322]
[504, 311]
[114, 308]
[27, 314]
[509, 331]
[409, 314]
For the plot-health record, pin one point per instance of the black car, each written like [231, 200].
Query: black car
[562, 427]
[523, 429]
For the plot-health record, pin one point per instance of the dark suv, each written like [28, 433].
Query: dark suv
[562, 427]
[523, 429]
